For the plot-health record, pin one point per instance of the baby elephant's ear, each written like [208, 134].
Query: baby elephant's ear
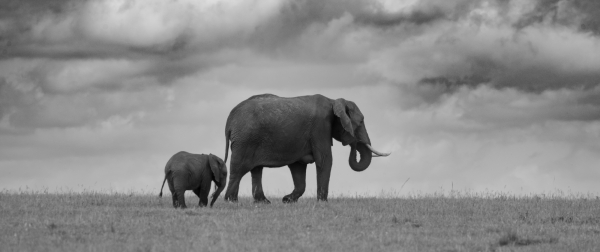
[215, 166]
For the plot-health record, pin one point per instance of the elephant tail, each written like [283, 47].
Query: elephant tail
[227, 137]
[163, 185]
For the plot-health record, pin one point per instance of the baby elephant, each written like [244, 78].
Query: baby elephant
[186, 171]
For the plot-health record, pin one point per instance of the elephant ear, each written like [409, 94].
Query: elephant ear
[339, 109]
[215, 166]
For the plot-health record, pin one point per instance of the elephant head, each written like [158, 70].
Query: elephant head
[349, 128]
[219, 170]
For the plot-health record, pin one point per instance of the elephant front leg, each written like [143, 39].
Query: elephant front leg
[298, 171]
[257, 190]
[323, 174]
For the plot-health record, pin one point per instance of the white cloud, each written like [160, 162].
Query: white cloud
[77, 75]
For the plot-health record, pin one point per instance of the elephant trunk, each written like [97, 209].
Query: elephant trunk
[218, 189]
[365, 156]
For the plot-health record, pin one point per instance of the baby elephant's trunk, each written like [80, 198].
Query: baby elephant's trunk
[218, 190]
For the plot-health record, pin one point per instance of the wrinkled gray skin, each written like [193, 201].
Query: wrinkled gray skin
[271, 131]
[186, 171]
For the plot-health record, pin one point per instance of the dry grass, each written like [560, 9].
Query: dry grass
[96, 221]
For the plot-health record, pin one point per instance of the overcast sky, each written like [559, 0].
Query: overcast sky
[475, 95]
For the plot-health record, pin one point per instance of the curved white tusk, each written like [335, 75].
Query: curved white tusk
[377, 153]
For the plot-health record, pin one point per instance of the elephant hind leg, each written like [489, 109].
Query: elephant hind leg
[180, 195]
[173, 192]
[298, 171]
[175, 202]
[233, 186]
[176, 185]
[257, 190]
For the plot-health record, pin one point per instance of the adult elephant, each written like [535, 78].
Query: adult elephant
[271, 131]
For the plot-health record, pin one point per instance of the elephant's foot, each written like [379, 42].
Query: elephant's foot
[231, 198]
[178, 205]
[262, 201]
[321, 195]
[290, 198]
[259, 197]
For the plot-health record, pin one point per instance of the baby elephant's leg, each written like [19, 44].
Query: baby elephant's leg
[180, 184]
[173, 191]
[180, 194]
[202, 193]
[175, 203]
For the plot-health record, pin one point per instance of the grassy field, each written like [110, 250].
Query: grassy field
[96, 221]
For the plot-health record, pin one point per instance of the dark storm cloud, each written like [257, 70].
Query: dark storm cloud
[18, 18]
[529, 44]
[582, 14]
[521, 54]
[9, 98]
[533, 79]
[386, 20]
[551, 105]
[425, 12]
[298, 15]
[591, 21]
